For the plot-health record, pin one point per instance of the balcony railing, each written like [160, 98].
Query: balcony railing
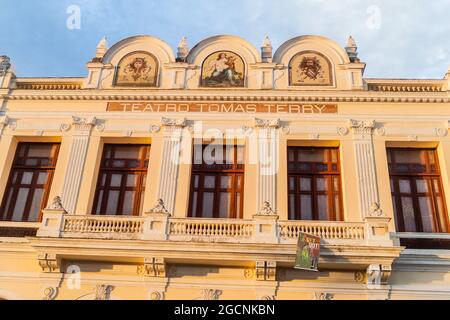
[261, 229]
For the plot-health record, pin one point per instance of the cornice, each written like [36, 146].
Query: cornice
[282, 96]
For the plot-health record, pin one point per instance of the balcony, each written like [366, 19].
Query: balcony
[266, 229]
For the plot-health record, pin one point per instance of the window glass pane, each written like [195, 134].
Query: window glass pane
[408, 214]
[210, 182]
[322, 184]
[20, 204]
[291, 183]
[322, 202]
[422, 186]
[42, 178]
[208, 205]
[225, 205]
[291, 155]
[128, 203]
[305, 184]
[194, 204]
[39, 150]
[337, 207]
[14, 177]
[27, 177]
[411, 156]
[239, 179]
[225, 182]
[113, 202]
[127, 152]
[334, 155]
[292, 209]
[131, 180]
[196, 180]
[426, 212]
[394, 204]
[116, 180]
[336, 184]
[441, 215]
[36, 205]
[313, 155]
[240, 155]
[238, 205]
[99, 203]
[7, 205]
[306, 207]
[405, 186]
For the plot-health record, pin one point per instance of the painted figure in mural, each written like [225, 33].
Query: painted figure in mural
[138, 69]
[223, 72]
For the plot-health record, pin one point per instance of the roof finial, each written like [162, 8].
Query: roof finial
[352, 49]
[183, 50]
[102, 47]
[266, 50]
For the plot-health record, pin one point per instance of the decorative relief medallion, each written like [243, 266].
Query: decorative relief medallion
[441, 132]
[249, 273]
[137, 69]
[342, 131]
[223, 69]
[50, 293]
[157, 296]
[310, 69]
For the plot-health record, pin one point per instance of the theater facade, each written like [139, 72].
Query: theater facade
[163, 176]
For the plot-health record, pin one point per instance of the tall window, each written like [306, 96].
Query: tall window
[121, 183]
[29, 182]
[314, 184]
[217, 186]
[417, 190]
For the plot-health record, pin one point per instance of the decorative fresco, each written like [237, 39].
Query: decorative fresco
[138, 69]
[310, 69]
[223, 69]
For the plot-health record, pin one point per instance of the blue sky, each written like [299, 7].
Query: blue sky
[396, 38]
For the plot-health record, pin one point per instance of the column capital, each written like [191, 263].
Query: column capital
[174, 123]
[267, 123]
[363, 127]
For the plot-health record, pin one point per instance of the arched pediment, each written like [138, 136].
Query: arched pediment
[157, 47]
[234, 44]
[329, 48]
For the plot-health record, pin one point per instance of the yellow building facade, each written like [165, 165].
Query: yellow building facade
[191, 175]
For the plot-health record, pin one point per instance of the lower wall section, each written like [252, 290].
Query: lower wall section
[21, 278]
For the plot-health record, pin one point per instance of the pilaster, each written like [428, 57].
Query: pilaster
[368, 193]
[172, 136]
[268, 149]
[81, 133]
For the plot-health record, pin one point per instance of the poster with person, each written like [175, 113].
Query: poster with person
[308, 252]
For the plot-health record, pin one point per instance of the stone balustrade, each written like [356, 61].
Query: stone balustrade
[261, 229]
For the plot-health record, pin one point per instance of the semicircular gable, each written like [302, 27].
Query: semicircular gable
[329, 48]
[157, 47]
[233, 44]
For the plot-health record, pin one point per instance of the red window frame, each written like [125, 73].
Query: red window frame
[34, 167]
[304, 171]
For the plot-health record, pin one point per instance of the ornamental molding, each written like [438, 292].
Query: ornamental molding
[283, 99]
[5, 65]
[377, 275]
[160, 207]
[266, 270]
[323, 296]
[211, 294]
[177, 123]
[267, 123]
[103, 292]
[56, 205]
[362, 126]
[266, 210]
[49, 263]
[375, 210]
[49, 293]
[152, 267]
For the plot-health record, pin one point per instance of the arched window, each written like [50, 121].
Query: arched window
[137, 69]
[310, 68]
[223, 69]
